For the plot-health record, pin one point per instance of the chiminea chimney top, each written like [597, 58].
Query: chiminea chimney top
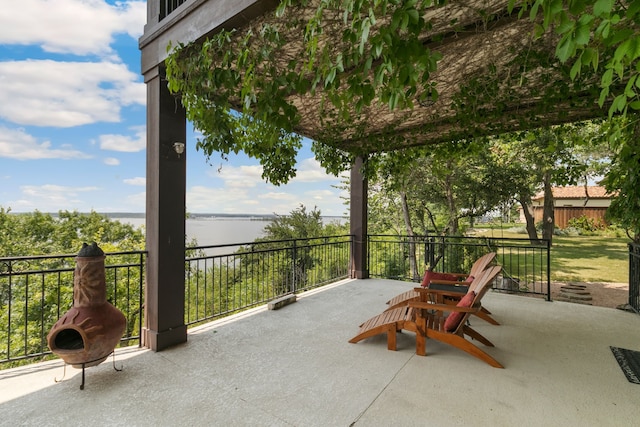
[90, 250]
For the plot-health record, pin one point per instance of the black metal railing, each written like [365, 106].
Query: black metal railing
[35, 291]
[168, 6]
[225, 279]
[526, 267]
[634, 276]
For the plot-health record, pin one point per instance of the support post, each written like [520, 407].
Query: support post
[165, 216]
[358, 221]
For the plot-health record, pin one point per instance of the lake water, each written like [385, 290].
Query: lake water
[210, 231]
[216, 231]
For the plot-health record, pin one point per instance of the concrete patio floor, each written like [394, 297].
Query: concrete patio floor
[294, 367]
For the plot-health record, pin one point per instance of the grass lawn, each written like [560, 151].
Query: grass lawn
[584, 258]
[590, 259]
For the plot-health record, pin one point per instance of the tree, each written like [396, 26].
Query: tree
[299, 224]
[623, 179]
[39, 303]
[283, 232]
[424, 190]
[451, 182]
[539, 159]
[596, 35]
[37, 233]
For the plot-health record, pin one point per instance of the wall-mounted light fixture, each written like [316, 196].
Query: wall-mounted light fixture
[173, 150]
[179, 148]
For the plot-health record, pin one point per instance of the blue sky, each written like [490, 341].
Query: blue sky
[72, 122]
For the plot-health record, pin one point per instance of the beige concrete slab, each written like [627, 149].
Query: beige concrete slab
[294, 367]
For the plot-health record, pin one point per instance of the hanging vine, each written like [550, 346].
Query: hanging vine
[245, 92]
[361, 76]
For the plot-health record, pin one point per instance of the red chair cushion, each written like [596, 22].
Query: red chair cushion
[453, 320]
[432, 275]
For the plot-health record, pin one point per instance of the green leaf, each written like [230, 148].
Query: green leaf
[405, 22]
[393, 100]
[534, 11]
[633, 9]
[604, 93]
[586, 19]
[566, 26]
[367, 64]
[396, 20]
[575, 69]
[414, 16]
[618, 68]
[583, 34]
[619, 35]
[628, 90]
[555, 6]
[602, 7]
[607, 78]
[622, 50]
[634, 49]
[619, 103]
[366, 26]
[592, 56]
[565, 48]
[377, 49]
[603, 29]
[577, 7]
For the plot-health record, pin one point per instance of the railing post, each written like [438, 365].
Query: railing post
[140, 296]
[548, 270]
[634, 276]
[294, 254]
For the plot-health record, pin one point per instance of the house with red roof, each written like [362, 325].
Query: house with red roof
[574, 202]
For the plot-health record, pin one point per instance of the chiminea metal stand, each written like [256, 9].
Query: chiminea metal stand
[84, 365]
[89, 332]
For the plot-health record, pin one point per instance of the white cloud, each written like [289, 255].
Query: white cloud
[310, 170]
[206, 199]
[239, 177]
[138, 181]
[66, 94]
[80, 27]
[278, 196]
[321, 195]
[18, 145]
[137, 202]
[111, 161]
[43, 190]
[125, 143]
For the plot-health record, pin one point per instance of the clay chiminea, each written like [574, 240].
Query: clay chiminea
[89, 332]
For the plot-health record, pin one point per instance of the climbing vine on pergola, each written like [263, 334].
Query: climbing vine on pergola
[365, 77]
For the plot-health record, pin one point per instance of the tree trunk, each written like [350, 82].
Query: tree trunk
[527, 210]
[413, 262]
[451, 205]
[548, 214]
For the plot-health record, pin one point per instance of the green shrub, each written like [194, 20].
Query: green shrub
[587, 224]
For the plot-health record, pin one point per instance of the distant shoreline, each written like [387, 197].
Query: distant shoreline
[261, 217]
[117, 215]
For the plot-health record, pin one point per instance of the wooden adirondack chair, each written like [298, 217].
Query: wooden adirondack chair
[432, 322]
[451, 291]
[427, 320]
